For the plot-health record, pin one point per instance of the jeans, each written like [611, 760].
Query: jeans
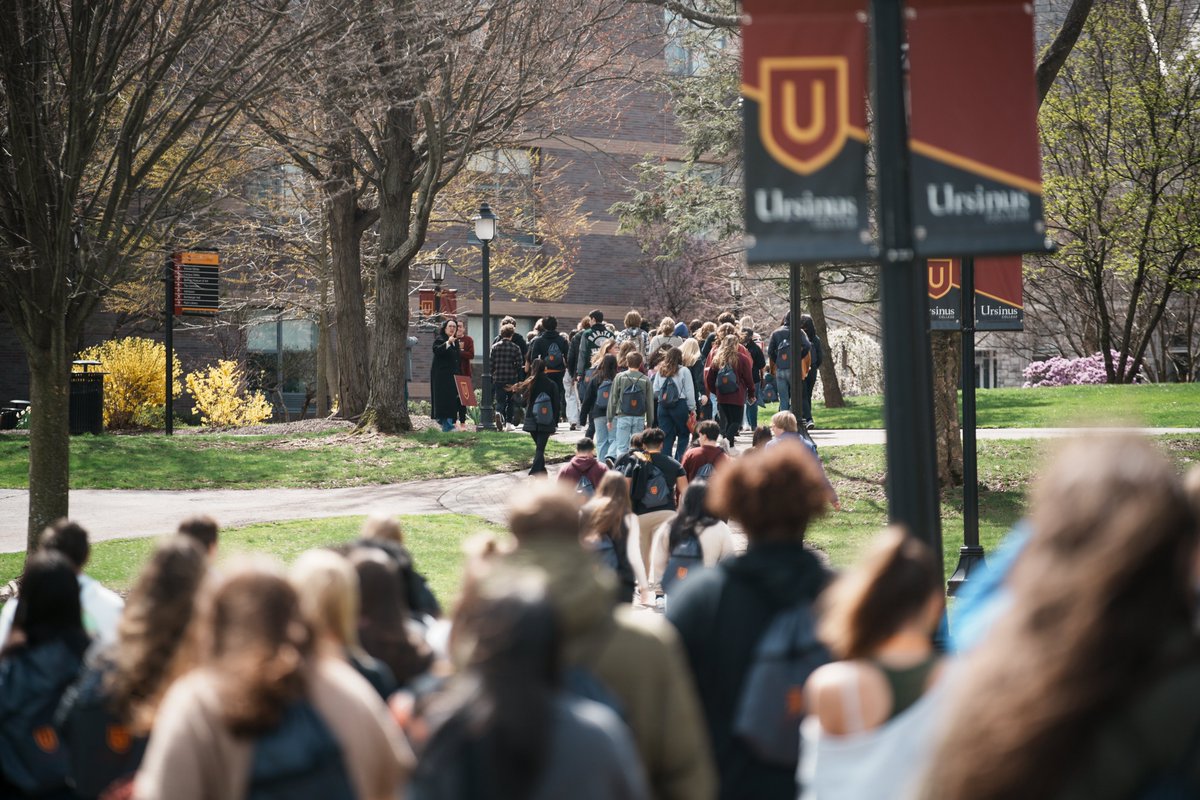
[783, 382]
[540, 438]
[673, 421]
[810, 380]
[623, 430]
[447, 424]
[752, 414]
[731, 421]
[604, 438]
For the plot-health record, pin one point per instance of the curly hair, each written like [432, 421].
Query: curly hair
[773, 494]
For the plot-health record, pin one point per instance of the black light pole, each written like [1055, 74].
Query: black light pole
[169, 341]
[735, 290]
[970, 555]
[485, 231]
[437, 272]
[907, 368]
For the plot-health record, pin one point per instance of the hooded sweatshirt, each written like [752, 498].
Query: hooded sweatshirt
[721, 614]
[638, 658]
[582, 465]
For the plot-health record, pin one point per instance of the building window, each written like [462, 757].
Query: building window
[986, 369]
[282, 359]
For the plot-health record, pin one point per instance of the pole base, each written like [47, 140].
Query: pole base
[969, 560]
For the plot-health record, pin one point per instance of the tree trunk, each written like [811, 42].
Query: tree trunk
[49, 436]
[323, 353]
[387, 411]
[345, 242]
[947, 348]
[816, 309]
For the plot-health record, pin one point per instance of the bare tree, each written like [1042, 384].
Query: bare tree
[109, 108]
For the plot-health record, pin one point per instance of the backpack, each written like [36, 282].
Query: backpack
[686, 557]
[783, 354]
[771, 704]
[299, 760]
[727, 382]
[705, 472]
[554, 358]
[636, 335]
[541, 415]
[655, 493]
[100, 748]
[33, 758]
[769, 393]
[602, 393]
[631, 400]
[584, 486]
[668, 395]
[815, 350]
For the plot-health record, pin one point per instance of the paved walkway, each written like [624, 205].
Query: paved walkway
[120, 513]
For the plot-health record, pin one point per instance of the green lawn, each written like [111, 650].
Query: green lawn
[1162, 405]
[434, 539]
[215, 461]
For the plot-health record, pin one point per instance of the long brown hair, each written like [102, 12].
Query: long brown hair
[604, 515]
[536, 368]
[258, 650]
[727, 353]
[892, 585]
[1101, 585]
[671, 360]
[151, 645]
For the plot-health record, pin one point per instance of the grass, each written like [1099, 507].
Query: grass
[434, 539]
[1160, 405]
[215, 461]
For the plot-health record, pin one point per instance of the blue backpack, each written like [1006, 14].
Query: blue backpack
[783, 354]
[771, 704]
[656, 493]
[554, 357]
[687, 557]
[769, 393]
[584, 486]
[631, 400]
[705, 472]
[668, 395]
[299, 760]
[602, 393]
[542, 412]
[727, 382]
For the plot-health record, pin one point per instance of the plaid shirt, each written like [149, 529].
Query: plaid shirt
[506, 363]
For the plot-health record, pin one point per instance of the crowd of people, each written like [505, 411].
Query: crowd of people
[684, 373]
[1071, 667]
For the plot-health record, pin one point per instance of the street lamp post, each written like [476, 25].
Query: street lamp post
[735, 290]
[437, 272]
[485, 230]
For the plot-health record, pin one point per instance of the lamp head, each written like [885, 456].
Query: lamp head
[437, 269]
[485, 223]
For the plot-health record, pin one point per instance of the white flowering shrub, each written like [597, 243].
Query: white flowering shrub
[858, 361]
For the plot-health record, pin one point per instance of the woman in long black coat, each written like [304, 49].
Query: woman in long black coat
[443, 390]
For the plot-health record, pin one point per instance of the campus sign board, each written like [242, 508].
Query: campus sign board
[999, 305]
[973, 140]
[197, 282]
[804, 110]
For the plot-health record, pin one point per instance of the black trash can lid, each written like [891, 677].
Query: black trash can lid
[86, 363]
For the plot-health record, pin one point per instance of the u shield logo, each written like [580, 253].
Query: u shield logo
[804, 109]
[941, 277]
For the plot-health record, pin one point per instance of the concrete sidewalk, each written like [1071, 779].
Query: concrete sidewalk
[121, 513]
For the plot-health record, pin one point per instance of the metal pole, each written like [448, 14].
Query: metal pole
[796, 389]
[437, 301]
[907, 368]
[485, 413]
[970, 555]
[169, 341]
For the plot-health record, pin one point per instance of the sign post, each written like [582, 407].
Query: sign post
[193, 287]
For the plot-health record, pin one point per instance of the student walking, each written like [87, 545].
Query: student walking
[730, 378]
[690, 356]
[675, 398]
[552, 348]
[870, 727]
[507, 370]
[786, 350]
[633, 333]
[631, 407]
[690, 541]
[810, 377]
[542, 409]
[584, 472]
[593, 406]
[612, 530]
[699, 463]
[758, 361]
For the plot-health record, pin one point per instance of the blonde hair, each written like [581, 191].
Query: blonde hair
[381, 526]
[601, 352]
[666, 327]
[747, 324]
[727, 353]
[633, 319]
[327, 585]
[691, 351]
[785, 421]
[706, 329]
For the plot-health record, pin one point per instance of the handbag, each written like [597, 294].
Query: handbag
[691, 422]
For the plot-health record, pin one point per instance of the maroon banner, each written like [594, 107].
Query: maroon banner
[976, 164]
[804, 115]
[999, 301]
[466, 393]
[426, 303]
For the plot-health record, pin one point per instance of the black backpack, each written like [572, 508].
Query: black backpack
[668, 395]
[299, 760]
[100, 748]
[584, 486]
[815, 349]
[631, 400]
[655, 494]
[727, 382]
[771, 704]
[687, 557]
[554, 357]
[783, 354]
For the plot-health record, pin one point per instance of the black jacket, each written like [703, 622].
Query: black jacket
[539, 385]
[721, 614]
[800, 345]
[757, 360]
[541, 347]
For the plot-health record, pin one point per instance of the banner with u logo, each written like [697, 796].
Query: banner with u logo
[999, 302]
[804, 111]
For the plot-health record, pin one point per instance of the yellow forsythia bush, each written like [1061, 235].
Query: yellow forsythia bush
[222, 398]
[136, 378]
